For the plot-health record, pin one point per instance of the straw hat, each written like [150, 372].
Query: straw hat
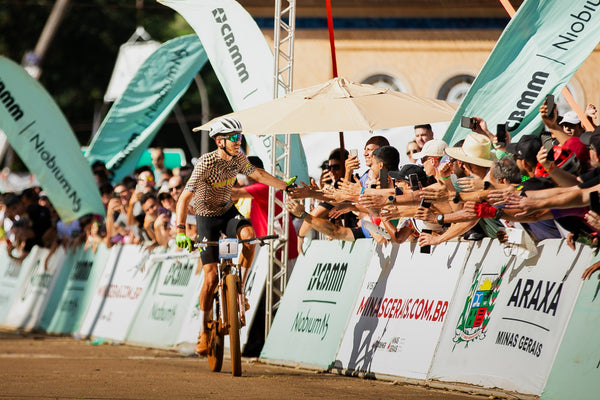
[475, 150]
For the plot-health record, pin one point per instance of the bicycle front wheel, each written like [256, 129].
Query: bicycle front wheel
[233, 318]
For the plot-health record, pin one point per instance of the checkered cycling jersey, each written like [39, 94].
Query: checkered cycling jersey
[212, 180]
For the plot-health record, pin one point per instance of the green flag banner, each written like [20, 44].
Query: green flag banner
[243, 62]
[538, 52]
[135, 118]
[41, 136]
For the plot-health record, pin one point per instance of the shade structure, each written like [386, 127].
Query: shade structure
[340, 105]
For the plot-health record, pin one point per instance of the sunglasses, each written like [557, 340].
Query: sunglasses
[335, 167]
[236, 137]
[176, 187]
[148, 178]
[408, 153]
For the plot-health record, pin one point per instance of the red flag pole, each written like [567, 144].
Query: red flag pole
[333, 58]
[565, 91]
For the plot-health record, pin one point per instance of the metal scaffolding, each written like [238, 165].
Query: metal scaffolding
[283, 42]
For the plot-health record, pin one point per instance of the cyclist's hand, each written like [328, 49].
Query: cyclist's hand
[183, 241]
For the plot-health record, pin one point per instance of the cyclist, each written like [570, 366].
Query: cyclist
[210, 188]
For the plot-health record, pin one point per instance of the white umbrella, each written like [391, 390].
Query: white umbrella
[339, 105]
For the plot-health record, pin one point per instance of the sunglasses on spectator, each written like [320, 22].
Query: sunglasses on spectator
[236, 137]
[148, 178]
[179, 187]
[408, 153]
[335, 167]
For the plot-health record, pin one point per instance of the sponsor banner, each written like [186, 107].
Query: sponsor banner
[255, 285]
[537, 54]
[118, 294]
[244, 64]
[400, 310]
[162, 312]
[508, 316]
[40, 134]
[575, 368]
[12, 274]
[135, 118]
[28, 307]
[318, 302]
[82, 270]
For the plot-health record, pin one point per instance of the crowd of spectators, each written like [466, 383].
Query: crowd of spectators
[542, 186]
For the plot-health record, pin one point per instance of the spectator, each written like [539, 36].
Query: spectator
[259, 210]
[423, 134]
[158, 164]
[411, 148]
[352, 163]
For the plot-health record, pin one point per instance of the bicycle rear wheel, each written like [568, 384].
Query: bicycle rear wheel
[215, 342]
[231, 295]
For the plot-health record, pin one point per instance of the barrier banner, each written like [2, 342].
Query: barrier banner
[83, 270]
[537, 54]
[575, 369]
[40, 134]
[243, 62]
[12, 275]
[135, 118]
[399, 313]
[29, 305]
[254, 288]
[318, 302]
[118, 294]
[162, 312]
[508, 317]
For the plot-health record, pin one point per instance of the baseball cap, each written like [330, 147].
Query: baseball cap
[409, 169]
[575, 145]
[526, 148]
[432, 148]
[570, 118]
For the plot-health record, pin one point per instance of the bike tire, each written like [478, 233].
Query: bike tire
[233, 317]
[216, 342]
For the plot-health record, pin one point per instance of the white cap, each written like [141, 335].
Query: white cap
[432, 148]
[570, 118]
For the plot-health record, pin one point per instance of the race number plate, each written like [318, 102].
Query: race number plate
[228, 248]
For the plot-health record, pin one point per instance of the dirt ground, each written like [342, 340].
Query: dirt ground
[40, 367]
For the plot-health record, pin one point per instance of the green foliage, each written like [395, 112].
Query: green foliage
[80, 59]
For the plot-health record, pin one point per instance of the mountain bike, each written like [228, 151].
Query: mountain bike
[228, 311]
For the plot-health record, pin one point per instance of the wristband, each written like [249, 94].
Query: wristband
[303, 215]
[180, 226]
[485, 210]
[444, 177]
[362, 190]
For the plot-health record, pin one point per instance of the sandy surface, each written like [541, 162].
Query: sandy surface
[35, 366]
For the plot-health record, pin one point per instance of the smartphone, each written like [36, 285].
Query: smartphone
[413, 180]
[383, 178]
[550, 155]
[550, 104]
[425, 203]
[467, 122]
[426, 249]
[501, 134]
[353, 152]
[595, 202]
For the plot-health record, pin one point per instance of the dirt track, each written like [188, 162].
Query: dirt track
[37, 367]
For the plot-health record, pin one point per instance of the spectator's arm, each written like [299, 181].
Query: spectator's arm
[455, 230]
[551, 122]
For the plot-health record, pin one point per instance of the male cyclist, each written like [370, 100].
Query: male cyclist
[210, 188]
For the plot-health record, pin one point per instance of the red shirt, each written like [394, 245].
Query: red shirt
[259, 211]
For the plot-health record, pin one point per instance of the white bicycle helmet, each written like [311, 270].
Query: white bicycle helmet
[224, 126]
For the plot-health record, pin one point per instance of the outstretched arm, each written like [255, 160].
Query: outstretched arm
[262, 176]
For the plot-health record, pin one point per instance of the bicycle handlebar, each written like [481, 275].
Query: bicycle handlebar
[255, 240]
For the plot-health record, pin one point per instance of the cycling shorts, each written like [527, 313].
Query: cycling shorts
[211, 229]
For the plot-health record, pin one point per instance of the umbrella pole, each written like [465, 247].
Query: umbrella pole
[333, 57]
